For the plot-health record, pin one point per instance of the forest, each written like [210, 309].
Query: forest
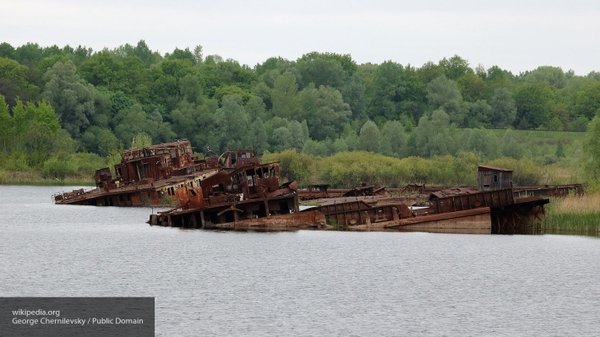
[66, 111]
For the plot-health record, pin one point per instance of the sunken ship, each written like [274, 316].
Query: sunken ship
[151, 175]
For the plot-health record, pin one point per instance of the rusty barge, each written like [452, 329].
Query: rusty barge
[245, 201]
[235, 191]
[150, 176]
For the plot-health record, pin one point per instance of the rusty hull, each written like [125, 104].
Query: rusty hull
[489, 212]
[149, 176]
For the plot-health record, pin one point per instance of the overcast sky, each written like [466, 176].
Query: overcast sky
[517, 35]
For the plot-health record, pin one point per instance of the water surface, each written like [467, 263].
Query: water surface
[306, 283]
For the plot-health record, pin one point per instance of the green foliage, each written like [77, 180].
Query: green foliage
[587, 101]
[525, 171]
[6, 126]
[140, 140]
[284, 96]
[443, 93]
[432, 135]
[232, 123]
[369, 138]
[552, 76]
[393, 138]
[294, 165]
[592, 151]
[395, 91]
[455, 67]
[534, 102]
[320, 103]
[504, 109]
[325, 112]
[71, 97]
[13, 81]
[72, 165]
[351, 169]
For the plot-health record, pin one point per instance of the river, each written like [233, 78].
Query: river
[306, 283]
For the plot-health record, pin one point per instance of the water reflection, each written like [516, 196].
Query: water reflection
[581, 231]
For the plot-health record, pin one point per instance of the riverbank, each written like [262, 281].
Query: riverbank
[574, 214]
[34, 178]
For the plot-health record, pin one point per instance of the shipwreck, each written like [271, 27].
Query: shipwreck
[235, 191]
[150, 176]
[250, 199]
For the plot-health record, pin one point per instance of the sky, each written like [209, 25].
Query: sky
[517, 35]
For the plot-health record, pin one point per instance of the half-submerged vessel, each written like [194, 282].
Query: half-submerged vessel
[149, 176]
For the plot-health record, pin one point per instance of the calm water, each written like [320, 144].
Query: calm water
[301, 283]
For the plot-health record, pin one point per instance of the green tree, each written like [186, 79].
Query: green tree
[37, 131]
[257, 136]
[432, 135]
[141, 139]
[321, 69]
[134, 120]
[101, 69]
[284, 96]
[496, 78]
[552, 76]
[6, 50]
[197, 123]
[100, 140]
[280, 139]
[232, 123]
[143, 52]
[325, 111]
[472, 87]
[504, 109]
[429, 71]
[443, 93]
[255, 107]
[455, 67]
[369, 138]
[534, 102]
[6, 126]
[479, 114]
[294, 165]
[587, 100]
[393, 138]
[591, 148]
[71, 97]
[396, 91]
[13, 81]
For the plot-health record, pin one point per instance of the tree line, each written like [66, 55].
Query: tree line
[97, 102]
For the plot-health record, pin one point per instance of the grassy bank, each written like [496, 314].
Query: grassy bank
[573, 214]
[35, 178]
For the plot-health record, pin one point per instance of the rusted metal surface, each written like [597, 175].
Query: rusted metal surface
[524, 216]
[449, 192]
[321, 191]
[235, 191]
[281, 222]
[454, 203]
[228, 213]
[365, 191]
[236, 197]
[316, 191]
[461, 213]
[149, 176]
[549, 190]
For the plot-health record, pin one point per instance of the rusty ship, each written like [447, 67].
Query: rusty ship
[235, 191]
[244, 200]
[150, 176]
